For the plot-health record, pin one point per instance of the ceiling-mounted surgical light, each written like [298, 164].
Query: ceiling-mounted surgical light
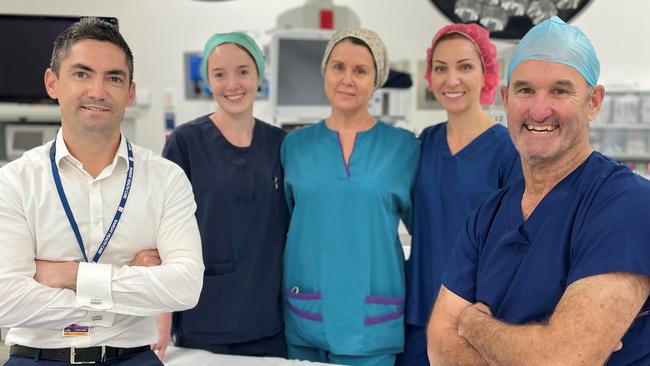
[515, 7]
[468, 10]
[489, 2]
[540, 10]
[508, 19]
[566, 4]
[493, 17]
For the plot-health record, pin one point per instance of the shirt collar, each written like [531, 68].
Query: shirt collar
[63, 152]
[122, 153]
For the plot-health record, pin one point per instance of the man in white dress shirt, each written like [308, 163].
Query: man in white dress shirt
[98, 235]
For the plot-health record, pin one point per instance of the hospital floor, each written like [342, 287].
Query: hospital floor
[4, 353]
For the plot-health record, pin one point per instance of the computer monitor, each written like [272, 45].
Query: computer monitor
[20, 137]
[27, 42]
[296, 92]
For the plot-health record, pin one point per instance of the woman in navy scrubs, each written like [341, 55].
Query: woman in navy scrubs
[232, 160]
[462, 161]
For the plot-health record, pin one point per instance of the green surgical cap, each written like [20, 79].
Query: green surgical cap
[238, 38]
[555, 41]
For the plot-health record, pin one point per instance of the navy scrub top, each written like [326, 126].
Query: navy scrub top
[243, 219]
[447, 188]
[594, 221]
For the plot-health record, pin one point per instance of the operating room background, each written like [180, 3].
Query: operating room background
[159, 31]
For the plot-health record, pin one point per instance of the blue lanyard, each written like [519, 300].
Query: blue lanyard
[68, 211]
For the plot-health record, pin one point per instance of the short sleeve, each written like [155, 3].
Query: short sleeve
[615, 235]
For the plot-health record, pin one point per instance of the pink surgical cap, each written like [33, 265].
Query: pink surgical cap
[480, 37]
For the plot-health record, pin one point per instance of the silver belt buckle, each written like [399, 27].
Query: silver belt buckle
[73, 356]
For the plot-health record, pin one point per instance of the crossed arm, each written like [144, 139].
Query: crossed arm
[586, 327]
[64, 274]
[51, 295]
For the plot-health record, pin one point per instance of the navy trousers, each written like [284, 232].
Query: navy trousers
[415, 347]
[273, 346]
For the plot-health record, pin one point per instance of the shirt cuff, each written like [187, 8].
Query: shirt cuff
[94, 286]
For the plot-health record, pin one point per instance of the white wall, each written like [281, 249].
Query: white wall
[159, 31]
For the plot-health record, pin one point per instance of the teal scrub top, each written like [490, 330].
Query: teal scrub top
[344, 264]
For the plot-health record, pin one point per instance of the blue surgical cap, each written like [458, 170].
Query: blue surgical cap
[555, 41]
[239, 38]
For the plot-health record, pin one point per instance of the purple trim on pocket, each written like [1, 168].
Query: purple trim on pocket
[304, 314]
[372, 320]
[305, 296]
[380, 300]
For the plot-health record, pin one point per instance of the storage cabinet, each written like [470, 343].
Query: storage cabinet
[622, 129]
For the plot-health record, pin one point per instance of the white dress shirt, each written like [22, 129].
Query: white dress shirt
[118, 301]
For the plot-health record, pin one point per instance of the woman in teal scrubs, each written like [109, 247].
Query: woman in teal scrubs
[348, 180]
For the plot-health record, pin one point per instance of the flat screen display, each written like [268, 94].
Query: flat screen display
[26, 140]
[296, 93]
[27, 43]
[300, 81]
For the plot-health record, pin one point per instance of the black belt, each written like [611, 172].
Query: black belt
[76, 356]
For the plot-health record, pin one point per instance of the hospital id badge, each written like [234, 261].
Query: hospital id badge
[76, 330]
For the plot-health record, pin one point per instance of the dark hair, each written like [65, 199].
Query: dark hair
[89, 28]
[456, 35]
[358, 42]
[249, 55]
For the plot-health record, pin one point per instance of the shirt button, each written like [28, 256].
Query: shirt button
[97, 221]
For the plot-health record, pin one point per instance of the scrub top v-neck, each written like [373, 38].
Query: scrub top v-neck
[243, 218]
[594, 221]
[344, 277]
[448, 187]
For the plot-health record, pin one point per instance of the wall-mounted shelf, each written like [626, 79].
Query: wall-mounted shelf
[622, 129]
[16, 112]
[629, 157]
[638, 126]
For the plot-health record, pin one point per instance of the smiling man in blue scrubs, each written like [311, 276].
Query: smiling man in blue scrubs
[554, 269]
